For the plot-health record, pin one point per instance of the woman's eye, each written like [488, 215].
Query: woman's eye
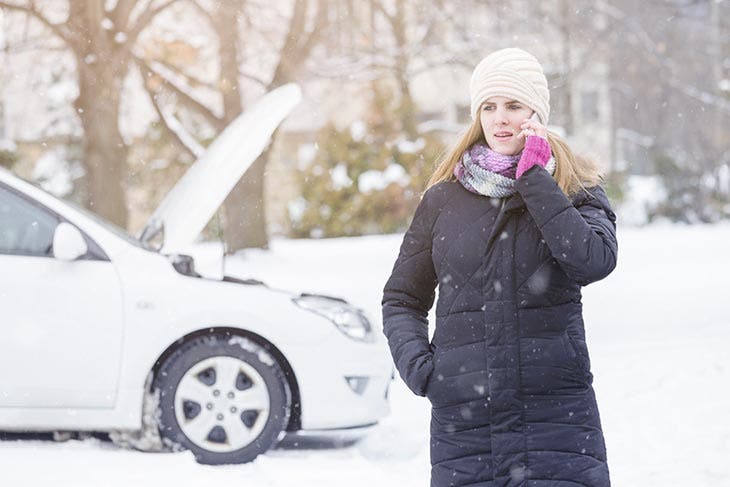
[509, 107]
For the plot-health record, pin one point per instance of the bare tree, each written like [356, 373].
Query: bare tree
[245, 210]
[231, 21]
[101, 41]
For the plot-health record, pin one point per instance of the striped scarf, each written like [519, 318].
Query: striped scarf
[483, 171]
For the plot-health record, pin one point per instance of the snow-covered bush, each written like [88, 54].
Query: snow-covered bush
[364, 179]
[692, 193]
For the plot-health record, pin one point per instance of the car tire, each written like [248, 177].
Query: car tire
[223, 397]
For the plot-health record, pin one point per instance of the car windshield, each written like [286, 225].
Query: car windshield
[113, 228]
[116, 230]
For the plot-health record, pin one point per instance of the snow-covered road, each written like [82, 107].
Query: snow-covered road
[658, 329]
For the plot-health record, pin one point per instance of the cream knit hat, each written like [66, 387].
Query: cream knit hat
[512, 73]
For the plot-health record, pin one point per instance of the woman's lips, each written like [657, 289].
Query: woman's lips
[502, 135]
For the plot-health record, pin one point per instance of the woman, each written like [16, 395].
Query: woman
[510, 228]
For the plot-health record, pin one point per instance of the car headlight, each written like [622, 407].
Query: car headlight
[349, 320]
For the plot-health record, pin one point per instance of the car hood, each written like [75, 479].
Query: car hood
[193, 201]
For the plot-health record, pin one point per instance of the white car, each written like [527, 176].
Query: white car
[102, 333]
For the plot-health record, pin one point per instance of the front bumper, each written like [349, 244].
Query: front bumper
[329, 401]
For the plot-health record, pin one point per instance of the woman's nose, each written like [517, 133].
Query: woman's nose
[500, 117]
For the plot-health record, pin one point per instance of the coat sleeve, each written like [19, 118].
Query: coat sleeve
[408, 296]
[581, 237]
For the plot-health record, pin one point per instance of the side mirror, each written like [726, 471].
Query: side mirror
[68, 243]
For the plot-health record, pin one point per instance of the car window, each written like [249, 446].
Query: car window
[25, 229]
[116, 230]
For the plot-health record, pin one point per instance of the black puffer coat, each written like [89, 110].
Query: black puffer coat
[507, 371]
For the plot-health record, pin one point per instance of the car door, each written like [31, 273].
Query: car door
[61, 322]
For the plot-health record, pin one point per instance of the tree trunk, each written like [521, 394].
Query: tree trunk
[246, 211]
[105, 153]
[402, 61]
[244, 207]
[569, 121]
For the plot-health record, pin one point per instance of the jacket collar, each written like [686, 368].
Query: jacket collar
[513, 203]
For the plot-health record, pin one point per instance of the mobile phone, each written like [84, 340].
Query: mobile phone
[535, 117]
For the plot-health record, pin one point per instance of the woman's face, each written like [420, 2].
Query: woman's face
[501, 119]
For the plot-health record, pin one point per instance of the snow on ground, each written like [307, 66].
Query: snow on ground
[657, 330]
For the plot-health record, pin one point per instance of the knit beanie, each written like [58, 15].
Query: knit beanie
[512, 73]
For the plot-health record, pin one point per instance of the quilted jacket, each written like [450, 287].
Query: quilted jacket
[507, 370]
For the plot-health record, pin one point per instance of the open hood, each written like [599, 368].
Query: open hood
[193, 201]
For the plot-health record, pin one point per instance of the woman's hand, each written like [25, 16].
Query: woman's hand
[532, 127]
[535, 153]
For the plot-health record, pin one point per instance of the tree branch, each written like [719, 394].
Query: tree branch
[121, 14]
[203, 11]
[296, 25]
[185, 98]
[298, 43]
[253, 78]
[141, 23]
[316, 33]
[381, 8]
[163, 121]
[94, 15]
[57, 29]
[189, 77]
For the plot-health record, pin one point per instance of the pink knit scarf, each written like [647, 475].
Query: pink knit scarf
[492, 161]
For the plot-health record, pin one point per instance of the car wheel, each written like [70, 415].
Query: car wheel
[224, 398]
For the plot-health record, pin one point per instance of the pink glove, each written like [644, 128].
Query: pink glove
[536, 153]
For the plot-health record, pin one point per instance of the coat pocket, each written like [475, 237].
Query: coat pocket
[578, 353]
[430, 379]
[550, 365]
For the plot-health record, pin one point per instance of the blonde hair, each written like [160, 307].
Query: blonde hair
[573, 172]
